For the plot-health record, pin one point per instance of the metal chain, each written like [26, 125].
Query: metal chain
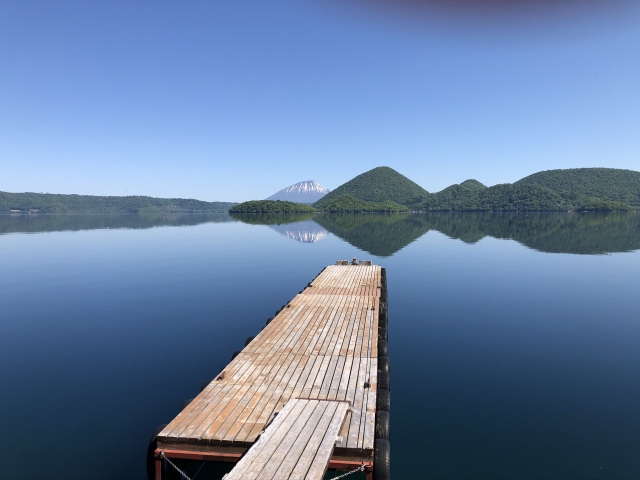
[359, 469]
[184, 475]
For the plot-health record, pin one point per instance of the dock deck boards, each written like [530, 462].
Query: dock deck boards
[297, 445]
[322, 346]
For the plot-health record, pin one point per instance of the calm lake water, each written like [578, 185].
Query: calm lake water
[514, 339]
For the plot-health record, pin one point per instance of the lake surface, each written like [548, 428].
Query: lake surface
[514, 339]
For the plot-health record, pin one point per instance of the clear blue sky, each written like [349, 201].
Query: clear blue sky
[235, 100]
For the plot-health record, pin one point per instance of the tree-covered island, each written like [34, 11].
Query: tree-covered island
[349, 204]
[271, 206]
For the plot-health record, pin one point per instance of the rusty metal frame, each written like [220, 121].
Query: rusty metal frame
[196, 455]
[233, 457]
[347, 465]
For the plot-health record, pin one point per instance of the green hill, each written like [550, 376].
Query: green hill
[378, 185]
[587, 189]
[54, 203]
[473, 185]
[606, 183]
[271, 206]
[455, 197]
[513, 198]
[349, 204]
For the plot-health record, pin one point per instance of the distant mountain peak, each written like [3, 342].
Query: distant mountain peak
[473, 183]
[308, 191]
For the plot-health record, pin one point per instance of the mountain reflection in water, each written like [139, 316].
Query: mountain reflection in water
[296, 226]
[578, 233]
[380, 235]
[383, 235]
[133, 221]
[306, 231]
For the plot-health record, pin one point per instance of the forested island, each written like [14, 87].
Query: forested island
[342, 204]
[349, 204]
[55, 203]
[271, 206]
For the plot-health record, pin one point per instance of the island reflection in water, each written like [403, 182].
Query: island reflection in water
[383, 235]
[133, 221]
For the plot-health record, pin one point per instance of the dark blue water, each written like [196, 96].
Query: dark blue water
[514, 340]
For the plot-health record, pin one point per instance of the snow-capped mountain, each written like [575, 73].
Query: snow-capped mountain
[301, 192]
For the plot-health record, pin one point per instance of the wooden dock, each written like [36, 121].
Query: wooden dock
[320, 352]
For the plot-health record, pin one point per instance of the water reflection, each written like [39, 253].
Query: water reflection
[578, 233]
[381, 235]
[385, 234]
[62, 223]
[272, 219]
[299, 227]
[306, 231]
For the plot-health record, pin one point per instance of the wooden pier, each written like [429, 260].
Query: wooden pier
[301, 396]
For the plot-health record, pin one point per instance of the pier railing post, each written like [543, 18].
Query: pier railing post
[158, 466]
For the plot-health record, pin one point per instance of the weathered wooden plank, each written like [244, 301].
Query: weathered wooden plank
[261, 451]
[265, 406]
[310, 450]
[307, 434]
[321, 461]
[209, 426]
[370, 414]
[294, 434]
[356, 413]
[212, 396]
[298, 444]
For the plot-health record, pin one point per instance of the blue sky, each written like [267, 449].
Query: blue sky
[236, 100]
